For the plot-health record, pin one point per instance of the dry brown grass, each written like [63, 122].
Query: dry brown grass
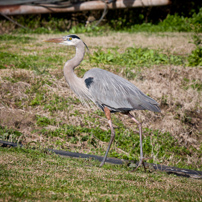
[174, 42]
[178, 43]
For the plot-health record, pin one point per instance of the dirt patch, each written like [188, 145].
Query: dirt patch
[18, 119]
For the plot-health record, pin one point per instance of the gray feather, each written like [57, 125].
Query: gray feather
[117, 93]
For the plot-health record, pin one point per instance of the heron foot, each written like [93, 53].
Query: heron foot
[102, 163]
[141, 162]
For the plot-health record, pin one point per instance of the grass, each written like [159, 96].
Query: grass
[38, 109]
[135, 57]
[34, 175]
[161, 146]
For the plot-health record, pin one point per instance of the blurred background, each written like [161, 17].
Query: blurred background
[52, 16]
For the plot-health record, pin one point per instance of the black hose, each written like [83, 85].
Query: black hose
[69, 154]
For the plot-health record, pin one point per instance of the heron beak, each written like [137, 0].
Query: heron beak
[55, 40]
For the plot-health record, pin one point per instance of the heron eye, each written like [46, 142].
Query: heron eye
[70, 38]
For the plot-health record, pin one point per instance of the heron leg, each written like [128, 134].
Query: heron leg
[141, 162]
[108, 115]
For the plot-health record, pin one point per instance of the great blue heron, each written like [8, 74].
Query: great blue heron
[111, 93]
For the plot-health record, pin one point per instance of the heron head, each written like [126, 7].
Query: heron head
[69, 40]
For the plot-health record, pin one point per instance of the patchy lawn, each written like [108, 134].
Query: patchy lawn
[33, 175]
[38, 109]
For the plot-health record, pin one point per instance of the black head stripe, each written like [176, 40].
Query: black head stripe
[86, 46]
[73, 36]
[76, 37]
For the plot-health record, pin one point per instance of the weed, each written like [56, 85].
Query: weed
[44, 121]
[172, 23]
[133, 57]
[38, 99]
[195, 58]
[195, 84]
[9, 134]
[86, 29]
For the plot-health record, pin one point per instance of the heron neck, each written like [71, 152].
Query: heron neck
[74, 62]
[76, 84]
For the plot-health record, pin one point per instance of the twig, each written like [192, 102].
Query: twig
[13, 21]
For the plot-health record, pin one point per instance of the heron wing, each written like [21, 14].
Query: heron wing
[117, 93]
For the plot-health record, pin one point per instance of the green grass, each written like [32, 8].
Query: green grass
[195, 58]
[195, 84]
[160, 146]
[27, 56]
[172, 23]
[9, 134]
[29, 61]
[59, 103]
[17, 39]
[35, 175]
[131, 58]
[135, 57]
